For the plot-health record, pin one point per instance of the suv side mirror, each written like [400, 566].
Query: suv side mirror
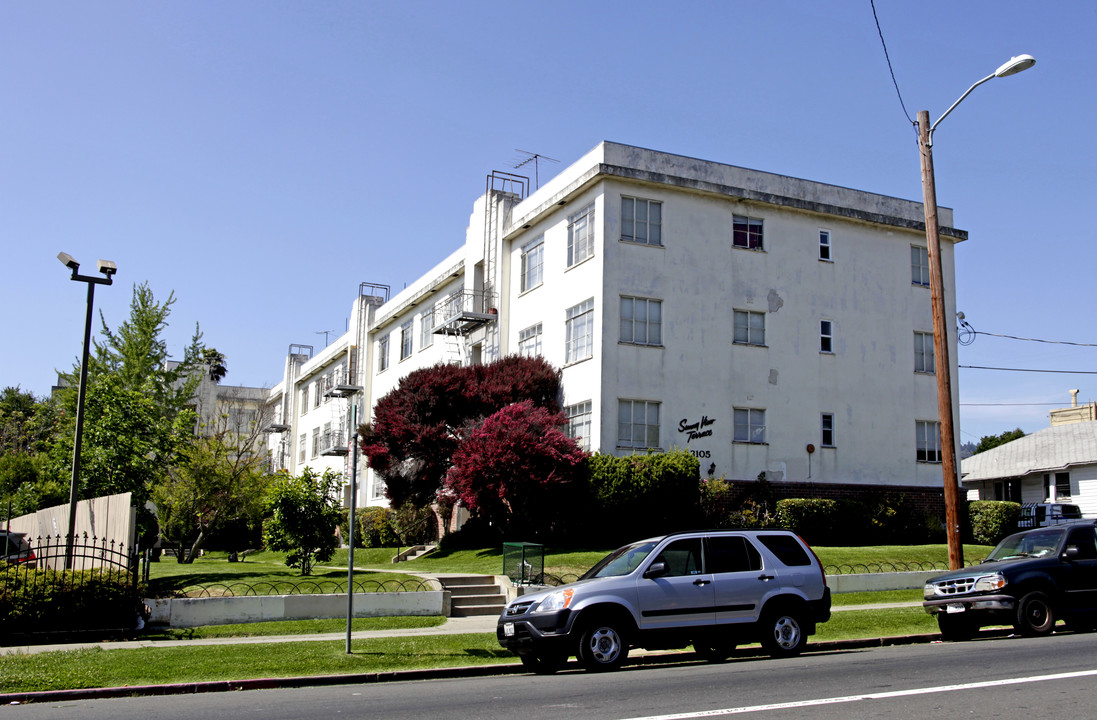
[656, 569]
[1070, 554]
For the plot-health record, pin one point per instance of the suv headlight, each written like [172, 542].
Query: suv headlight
[990, 582]
[555, 602]
[929, 591]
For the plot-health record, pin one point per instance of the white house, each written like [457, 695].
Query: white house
[761, 322]
[1054, 465]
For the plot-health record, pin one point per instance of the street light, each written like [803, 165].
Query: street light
[940, 331]
[108, 269]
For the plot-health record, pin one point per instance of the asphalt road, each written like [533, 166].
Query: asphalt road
[1004, 678]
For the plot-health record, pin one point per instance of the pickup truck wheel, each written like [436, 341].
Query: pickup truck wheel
[956, 627]
[602, 647]
[544, 664]
[1035, 615]
[783, 633]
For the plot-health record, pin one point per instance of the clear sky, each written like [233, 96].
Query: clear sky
[261, 159]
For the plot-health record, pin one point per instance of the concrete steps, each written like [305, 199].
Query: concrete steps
[413, 552]
[474, 595]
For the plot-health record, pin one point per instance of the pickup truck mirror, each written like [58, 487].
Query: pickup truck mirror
[656, 569]
[1071, 553]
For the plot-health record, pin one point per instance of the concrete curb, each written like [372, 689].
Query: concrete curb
[640, 658]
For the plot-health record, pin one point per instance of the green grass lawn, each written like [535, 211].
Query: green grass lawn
[267, 573]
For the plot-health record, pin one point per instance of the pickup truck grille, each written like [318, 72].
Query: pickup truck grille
[956, 586]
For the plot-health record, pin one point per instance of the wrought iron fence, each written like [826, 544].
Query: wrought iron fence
[56, 586]
[303, 587]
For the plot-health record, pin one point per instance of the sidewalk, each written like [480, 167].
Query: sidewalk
[452, 626]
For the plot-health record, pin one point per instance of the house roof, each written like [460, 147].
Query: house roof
[1055, 448]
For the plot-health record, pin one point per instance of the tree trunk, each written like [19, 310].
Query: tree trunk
[196, 546]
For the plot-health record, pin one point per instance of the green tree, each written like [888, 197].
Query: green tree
[302, 514]
[218, 482]
[988, 442]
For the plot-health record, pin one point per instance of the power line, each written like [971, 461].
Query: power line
[1032, 370]
[1050, 342]
[886, 57]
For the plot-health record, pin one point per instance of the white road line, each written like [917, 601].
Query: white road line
[867, 696]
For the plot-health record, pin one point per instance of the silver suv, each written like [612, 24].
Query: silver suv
[713, 590]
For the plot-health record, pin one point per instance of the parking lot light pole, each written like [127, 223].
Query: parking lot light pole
[108, 269]
[942, 363]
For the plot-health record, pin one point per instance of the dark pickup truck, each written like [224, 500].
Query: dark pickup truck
[1030, 580]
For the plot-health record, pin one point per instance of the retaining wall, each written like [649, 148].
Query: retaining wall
[195, 612]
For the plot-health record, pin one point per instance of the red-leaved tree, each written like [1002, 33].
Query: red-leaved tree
[518, 469]
[419, 425]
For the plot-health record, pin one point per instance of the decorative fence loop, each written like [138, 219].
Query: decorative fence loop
[303, 587]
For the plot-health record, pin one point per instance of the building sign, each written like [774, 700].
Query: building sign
[695, 431]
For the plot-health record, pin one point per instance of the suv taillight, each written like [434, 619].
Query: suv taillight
[817, 561]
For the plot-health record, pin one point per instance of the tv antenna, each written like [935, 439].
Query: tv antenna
[536, 159]
[325, 333]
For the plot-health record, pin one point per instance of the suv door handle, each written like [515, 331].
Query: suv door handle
[699, 582]
[763, 576]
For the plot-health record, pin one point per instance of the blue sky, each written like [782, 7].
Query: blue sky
[260, 160]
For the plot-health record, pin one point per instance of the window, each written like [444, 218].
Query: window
[317, 393]
[827, 439]
[581, 235]
[732, 553]
[824, 245]
[405, 340]
[826, 336]
[579, 343]
[641, 221]
[928, 441]
[426, 329]
[637, 424]
[919, 265]
[533, 259]
[641, 321]
[746, 232]
[750, 328]
[1062, 486]
[923, 353]
[579, 423]
[305, 400]
[529, 341]
[682, 557]
[302, 446]
[749, 425]
[315, 441]
[383, 354]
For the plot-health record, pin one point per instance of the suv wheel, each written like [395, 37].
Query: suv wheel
[783, 633]
[1035, 615]
[602, 646]
[956, 627]
[544, 664]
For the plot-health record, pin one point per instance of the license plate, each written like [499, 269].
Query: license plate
[508, 629]
[954, 608]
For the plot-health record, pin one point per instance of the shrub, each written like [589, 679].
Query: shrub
[48, 600]
[992, 520]
[641, 495]
[815, 520]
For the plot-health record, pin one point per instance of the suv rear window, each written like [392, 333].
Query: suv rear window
[787, 550]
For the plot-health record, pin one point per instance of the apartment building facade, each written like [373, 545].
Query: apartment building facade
[761, 322]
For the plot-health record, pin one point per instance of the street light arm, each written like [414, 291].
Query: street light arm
[953, 106]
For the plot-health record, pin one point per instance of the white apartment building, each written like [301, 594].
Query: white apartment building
[761, 322]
